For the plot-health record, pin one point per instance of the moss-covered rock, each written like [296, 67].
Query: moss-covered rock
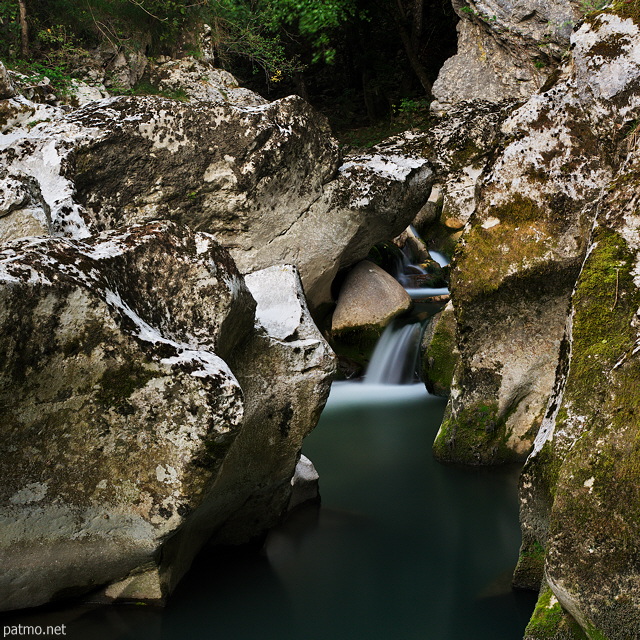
[439, 352]
[579, 492]
[514, 270]
[551, 622]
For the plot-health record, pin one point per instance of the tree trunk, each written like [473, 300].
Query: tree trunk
[24, 29]
[416, 23]
[399, 17]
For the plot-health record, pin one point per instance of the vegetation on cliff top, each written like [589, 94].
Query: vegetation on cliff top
[319, 49]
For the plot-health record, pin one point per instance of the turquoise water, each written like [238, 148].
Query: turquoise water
[401, 548]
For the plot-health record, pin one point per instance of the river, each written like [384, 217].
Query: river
[402, 548]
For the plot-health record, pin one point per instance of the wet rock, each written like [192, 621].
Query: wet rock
[369, 299]
[304, 483]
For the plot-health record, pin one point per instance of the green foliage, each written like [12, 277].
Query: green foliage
[9, 27]
[590, 6]
[412, 110]
[313, 19]
[550, 621]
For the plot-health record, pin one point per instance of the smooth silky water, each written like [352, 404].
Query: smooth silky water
[401, 548]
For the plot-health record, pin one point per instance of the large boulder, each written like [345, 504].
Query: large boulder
[581, 486]
[369, 299]
[127, 440]
[267, 180]
[116, 411]
[506, 50]
[518, 261]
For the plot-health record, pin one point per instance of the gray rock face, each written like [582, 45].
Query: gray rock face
[266, 179]
[369, 299]
[461, 144]
[519, 259]
[579, 487]
[117, 412]
[506, 49]
[546, 308]
[199, 80]
[285, 374]
[7, 90]
[127, 439]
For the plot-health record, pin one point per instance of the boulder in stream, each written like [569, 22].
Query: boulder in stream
[138, 410]
[369, 299]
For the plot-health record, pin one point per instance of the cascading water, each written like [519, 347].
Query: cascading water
[395, 356]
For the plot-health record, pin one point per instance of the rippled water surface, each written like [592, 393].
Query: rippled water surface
[402, 547]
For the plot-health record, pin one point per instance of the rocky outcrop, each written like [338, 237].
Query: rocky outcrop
[285, 371]
[545, 294]
[519, 259]
[126, 434]
[7, 90]
[580, 486]
[369, 299]
[506, 51]
[439, 353]
[267, 180]
[199, 80]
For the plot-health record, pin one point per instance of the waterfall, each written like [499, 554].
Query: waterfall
[395, 356]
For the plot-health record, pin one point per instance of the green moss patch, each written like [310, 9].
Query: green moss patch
[440, 357]
[523, 236]
[530, 568]
[477, 435]
[551, 622]
[626, 9]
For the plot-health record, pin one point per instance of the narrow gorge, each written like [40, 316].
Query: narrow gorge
[191, 282]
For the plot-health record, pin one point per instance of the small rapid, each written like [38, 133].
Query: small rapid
[395, 356]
